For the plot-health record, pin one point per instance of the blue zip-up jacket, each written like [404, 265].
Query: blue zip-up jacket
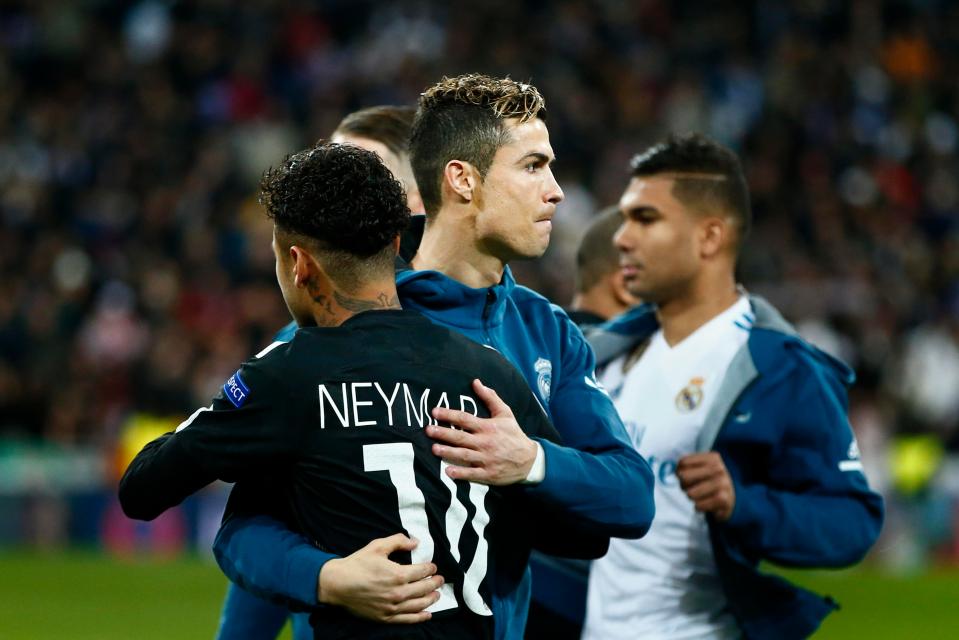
[596, 484]
[780, 423]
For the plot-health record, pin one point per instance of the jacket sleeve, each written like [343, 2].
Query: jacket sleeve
[263, 556]
[815, 507]
[540, 520]
[596, 478]
[244, 615]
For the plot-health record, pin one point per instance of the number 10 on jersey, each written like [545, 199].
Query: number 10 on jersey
[397, 459]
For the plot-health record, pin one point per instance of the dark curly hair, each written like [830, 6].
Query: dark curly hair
[706, 174]
[462, 118]
[343, 201]
[341, 196]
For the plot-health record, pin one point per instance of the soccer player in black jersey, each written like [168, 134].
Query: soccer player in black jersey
[334, 420]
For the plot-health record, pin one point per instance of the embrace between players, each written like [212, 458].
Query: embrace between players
[355, 501]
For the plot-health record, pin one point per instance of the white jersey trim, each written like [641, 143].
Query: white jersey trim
[186, 423]
[270, 348]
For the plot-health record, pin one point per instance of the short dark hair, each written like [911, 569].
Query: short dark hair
[597, 256]
[708, 173]
[342, 200]
[386, 124]
[462, 118]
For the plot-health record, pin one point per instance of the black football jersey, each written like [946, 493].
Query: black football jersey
[334, 421]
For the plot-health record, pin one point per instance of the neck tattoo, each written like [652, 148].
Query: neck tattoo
[356, 305]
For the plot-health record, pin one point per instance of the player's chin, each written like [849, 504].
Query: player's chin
[531, 252]
[537, 245]
[636, 287]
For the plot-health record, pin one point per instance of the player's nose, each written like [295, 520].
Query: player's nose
[621, 239]
[554, 193]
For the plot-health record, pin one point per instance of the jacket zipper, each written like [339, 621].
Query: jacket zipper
[490, 297]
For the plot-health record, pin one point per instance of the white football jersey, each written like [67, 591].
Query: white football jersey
[665, 585]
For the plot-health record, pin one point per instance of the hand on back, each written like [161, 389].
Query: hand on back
[370, 585]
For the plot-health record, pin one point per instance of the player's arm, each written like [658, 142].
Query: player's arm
[816, 507]
[264, 557]
[258, 551]
[245, 615]
[596, 478]
[243, 432]
[161, 476]
[542, 521]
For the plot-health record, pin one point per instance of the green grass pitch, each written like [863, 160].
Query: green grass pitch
[90, 596]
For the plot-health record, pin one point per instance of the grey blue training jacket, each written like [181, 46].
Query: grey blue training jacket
[780, 423]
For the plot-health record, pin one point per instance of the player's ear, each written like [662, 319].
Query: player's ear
[617, 284]
[302, 264]
[396, 245]
[713, 236]
[461, 178]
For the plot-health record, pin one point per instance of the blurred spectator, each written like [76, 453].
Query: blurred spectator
[134, 271]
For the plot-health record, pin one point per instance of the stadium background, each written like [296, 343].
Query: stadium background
[135, 269]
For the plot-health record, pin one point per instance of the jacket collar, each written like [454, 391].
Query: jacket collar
[433, 292]
[639, 323]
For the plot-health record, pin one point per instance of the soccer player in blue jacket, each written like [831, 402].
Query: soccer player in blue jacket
[744, 423]
[481, 157]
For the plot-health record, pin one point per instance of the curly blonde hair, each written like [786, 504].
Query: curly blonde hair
[465, 118]
[505, 97]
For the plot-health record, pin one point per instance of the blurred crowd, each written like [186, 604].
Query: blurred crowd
[135, 267]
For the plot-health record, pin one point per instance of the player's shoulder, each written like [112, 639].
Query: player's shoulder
[535, 306]
[478, 351]
[257, 378]
[528, 299]
[277, 358]
[790, 355]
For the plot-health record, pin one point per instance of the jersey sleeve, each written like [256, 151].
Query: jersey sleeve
[815, 508]
[595, 477]
[244, 433]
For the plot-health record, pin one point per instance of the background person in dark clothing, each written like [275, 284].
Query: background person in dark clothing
[385, 130]
[600, 290]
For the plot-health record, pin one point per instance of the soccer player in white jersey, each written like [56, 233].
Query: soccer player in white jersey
[743, 423]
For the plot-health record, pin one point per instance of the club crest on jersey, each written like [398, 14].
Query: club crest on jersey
[544, 377]
[236, 390]
[690, 396]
